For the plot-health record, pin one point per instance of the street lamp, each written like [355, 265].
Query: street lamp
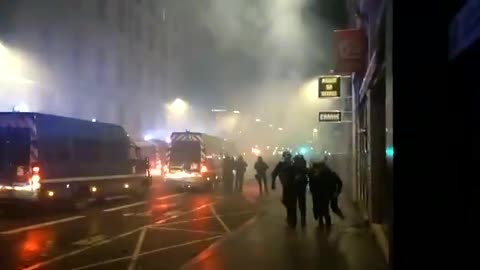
[280, 128]
[236, 112]
[11, 67]
[258, 120]
[21, 108]
[178, 106]
[315, 130]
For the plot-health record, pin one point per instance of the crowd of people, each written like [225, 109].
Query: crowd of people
[233, 182]
[324, 184]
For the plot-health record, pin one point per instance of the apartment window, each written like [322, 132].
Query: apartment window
[151, 38]
[138, 28]
[46, 40]
[101, 59]
[121, 15]
[153, 7]
[77, 52]
[102, 9]
[140, 74]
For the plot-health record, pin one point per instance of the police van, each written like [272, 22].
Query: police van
[194, 160]
[48, 158]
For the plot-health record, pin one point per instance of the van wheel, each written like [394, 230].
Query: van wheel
[80, 200]
[143, 191]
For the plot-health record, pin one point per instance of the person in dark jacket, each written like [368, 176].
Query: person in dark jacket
[227, 173]
[293, 176]
[261, 167]
[324, 184]
[280, 170]
[240, 169]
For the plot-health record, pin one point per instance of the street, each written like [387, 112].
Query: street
[163, 232]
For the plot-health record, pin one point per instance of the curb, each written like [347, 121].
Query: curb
[206, 253]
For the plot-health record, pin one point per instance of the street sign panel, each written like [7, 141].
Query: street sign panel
[329, 86]
[351, 49]
[330, 116]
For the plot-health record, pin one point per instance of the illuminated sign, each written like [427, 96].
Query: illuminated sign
[329, 86]
[330, 116]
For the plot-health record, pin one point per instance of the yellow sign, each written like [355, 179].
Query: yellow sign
[329, 86]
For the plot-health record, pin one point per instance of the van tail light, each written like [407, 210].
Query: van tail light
[35, 181]
[204, 169]
[36, 169]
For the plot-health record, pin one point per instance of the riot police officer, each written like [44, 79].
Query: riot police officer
[293, 176]
[280, 170]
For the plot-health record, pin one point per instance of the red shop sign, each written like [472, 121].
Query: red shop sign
[351, 50]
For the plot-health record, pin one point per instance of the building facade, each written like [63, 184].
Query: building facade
[373, 107]
[102, 59]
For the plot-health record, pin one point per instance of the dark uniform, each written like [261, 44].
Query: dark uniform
[240, 168]
[227, 174]
[293, 176]
[324, 184]
[261, 167]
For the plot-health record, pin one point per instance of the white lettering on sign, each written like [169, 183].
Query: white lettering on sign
[329, 116]
[329, 80]
[328, 93]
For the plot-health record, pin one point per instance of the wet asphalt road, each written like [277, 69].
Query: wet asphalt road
[162, 232]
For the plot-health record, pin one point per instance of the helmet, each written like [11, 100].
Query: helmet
[287, 155]
[297, 158]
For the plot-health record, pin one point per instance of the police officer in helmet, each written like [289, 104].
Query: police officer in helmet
[293, 176]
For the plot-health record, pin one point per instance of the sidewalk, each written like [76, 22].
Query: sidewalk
[266, 243]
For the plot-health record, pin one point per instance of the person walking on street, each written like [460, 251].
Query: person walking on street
[338, 185]
[261, 167]
[240, 168]
[323, 186]
[293, 176]
[281, 170]
[227, 173]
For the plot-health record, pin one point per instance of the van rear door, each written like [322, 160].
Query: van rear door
[14, 153]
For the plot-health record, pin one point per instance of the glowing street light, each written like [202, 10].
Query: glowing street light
[236, 112]
[258, 120]
[270, 125]
[22, 107]
[178, 106]
[148, 137]
[280, 128]
[94, 120]
[11, 67]
[315, 130]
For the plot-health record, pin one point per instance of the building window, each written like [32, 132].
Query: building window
[77, 55]
[121, 15]
[101, 59]
[151, 38]
[138, 28]
[153, 7]
[102, 9]
[46, 40]
[120, 72]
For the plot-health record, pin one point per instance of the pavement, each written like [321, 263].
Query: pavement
[266, 243]
[190, 230]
